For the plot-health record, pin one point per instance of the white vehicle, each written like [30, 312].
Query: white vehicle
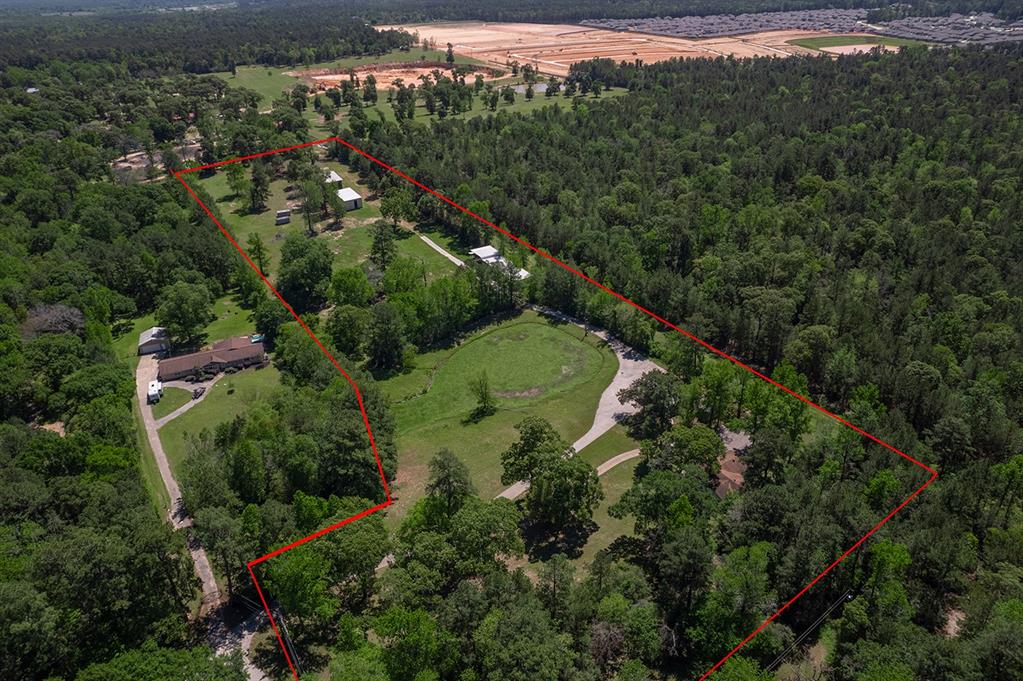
[155, 392]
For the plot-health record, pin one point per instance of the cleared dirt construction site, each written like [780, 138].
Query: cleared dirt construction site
[386, 74]
[552, 48]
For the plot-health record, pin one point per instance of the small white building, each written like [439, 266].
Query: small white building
[153, 340]
[154, 392]
[487, 254]
[492, 256]
[352, 198]
[333, 177]
[283, 217]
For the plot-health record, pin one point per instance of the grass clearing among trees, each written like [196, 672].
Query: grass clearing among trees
[534, 367]
[615, 482]
[844, 40]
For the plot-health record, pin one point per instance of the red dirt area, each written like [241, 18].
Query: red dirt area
[387, 74]
[553, 48]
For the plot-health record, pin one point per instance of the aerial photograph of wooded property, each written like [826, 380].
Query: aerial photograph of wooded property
[549, 340]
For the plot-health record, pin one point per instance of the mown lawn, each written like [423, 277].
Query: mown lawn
[231, 396]
[171, 400]
[231, 320]
[126, 345]
[534, 368]
[842, 40]
[610, 444]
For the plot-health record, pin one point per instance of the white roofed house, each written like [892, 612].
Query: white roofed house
[492, 256]
[352, 198]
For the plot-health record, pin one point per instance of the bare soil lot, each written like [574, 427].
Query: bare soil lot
[386, 74]
[552, 48]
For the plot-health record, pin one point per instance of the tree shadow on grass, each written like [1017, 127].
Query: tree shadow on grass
[477, 415]
[543, 542]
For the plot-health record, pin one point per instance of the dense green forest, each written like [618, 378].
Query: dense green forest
[849, 226]
[89, 569]
[151, 43]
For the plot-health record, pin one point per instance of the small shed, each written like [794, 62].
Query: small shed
[283, 217]
[352, 198]
[333, 177]
[153, 340]
[487, 254]
[492, 256]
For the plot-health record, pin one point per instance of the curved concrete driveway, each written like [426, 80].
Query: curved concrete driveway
[631, 365]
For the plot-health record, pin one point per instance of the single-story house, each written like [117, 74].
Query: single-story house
[352, 198]
[283, 217]
[236, 352]
[333, 177]
[492, 256]
[153, 340]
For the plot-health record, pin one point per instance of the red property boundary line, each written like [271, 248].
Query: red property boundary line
[369, 431]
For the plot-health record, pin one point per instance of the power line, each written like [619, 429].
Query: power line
[778, 660]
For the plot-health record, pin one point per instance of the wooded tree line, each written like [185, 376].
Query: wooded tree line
[274, 33]
[849, 226]
[90, 570]
[150, 43]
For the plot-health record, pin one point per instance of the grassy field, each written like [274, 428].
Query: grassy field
[841, 40]
[270, 82]
[350, 244]
[231, 396]
[231, 320]
[241, 224]
[612, 443]
[171, 400]
[534, 367]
